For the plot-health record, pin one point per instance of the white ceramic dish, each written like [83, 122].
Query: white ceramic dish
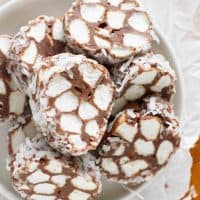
[16, 13]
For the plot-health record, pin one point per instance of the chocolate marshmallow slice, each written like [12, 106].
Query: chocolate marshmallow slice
[72, 102]
[141, 141]
[109, 31]
[13, 102]
[144, 75]
[41, 37]
[39, 172]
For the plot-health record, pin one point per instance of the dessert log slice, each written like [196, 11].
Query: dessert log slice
[12, 101]
[72, 102]
[141, 141]
[38, 172]
[144, 75]
[41, 37]
[109, 31]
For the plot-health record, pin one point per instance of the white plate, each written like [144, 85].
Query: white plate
[16, 13]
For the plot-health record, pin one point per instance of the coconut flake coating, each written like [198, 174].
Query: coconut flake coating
[12, 102]
[20, 130]
[142, 76]
[39, 172]
[110, 31]
[41, 37]
[72, 102]
[141, 141]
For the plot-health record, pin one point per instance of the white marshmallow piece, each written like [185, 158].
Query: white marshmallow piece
[58, 31]
[67, 102]
[124, 160]
[33, 166]
[150, 128]
[145, 78]
[59, 180]
[77, 142]
[102, 32]
[132, 168]
[109, 166]
[87, 111]
[78, 195]
[134, 92]
[79, 31]
[102, 43]
[135, 40]
[92, 128]
[139, 22]
[90, 74]
[54, 167]
[37, 32]
[103, 96]
[115, 19]
[38, 177]
[120, 52]
[119, 151]
[30, 54]
[144, 148]
[92, 13]
[127, 131]
[70, 123]
[163, 82]
[57, 85]
[164, 151]
[83, 184]
[44, 188]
